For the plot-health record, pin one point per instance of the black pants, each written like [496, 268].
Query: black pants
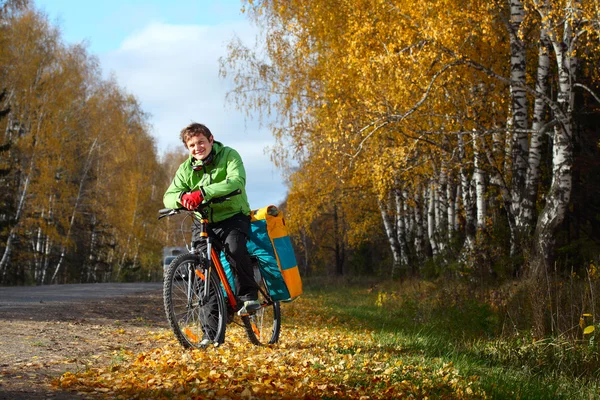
[233, 233]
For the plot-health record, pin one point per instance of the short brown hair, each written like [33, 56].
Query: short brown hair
[194, 129]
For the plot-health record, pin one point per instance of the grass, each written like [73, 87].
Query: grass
[438, 326]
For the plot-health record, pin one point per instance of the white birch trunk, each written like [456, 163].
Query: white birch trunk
[467, 199]
[435, 198]
[390, 233]
[91, 259]
[442, 206]
[450, 218]
[419, 230]
[479, 180]
[518, 103]
[526, 213]
[41, 252]
[457, 202]
[36, 245]
[13, 231]
[29, 176]
[431, 223]
[47, 251]
[559, 194]
[401, 228]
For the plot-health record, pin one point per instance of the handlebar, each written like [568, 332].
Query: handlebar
[167, 212]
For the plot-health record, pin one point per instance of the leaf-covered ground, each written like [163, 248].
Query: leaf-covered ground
[318, 357]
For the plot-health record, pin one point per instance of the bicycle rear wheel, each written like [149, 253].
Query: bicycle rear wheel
[196, 320]
[264, 326]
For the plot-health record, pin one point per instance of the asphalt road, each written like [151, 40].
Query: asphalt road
[14, 295]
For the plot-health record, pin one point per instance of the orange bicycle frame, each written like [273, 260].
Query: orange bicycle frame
[223, 277]
[218, 266]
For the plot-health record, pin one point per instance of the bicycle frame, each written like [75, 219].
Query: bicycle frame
[183, 310]
[214, 261]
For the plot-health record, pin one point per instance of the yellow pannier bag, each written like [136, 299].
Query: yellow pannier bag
[270, 244]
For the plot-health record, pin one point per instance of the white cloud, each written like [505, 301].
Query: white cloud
[173, 71]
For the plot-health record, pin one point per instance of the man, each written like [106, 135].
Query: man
[215, 170]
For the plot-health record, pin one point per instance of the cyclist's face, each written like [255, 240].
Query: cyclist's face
[199, 146]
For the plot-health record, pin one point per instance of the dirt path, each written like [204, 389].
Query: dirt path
[40, 341]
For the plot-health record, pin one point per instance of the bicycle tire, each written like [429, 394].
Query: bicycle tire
[194, 324]
[263, 326]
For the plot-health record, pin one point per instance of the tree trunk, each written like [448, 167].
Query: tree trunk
[419, 240]
[550, 219]
[457, 202]
[559, 194]
[519, 124]
[390, 233]
[467, 198]
[431, 224]
[450, 204]
[401, 228]
[13, 230]
[442, 207]
[91, 262]
[339, 244]
[479, 179]
[526, 213]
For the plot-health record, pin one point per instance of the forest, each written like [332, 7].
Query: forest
[455, 142]
[80, 174]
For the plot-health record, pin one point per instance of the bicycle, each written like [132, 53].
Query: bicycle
[198, 298]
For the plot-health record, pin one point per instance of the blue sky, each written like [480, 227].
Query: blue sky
[165, 52]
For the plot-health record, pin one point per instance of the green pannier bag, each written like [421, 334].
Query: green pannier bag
[270, 244]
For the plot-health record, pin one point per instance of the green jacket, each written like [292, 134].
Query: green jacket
[222, 176]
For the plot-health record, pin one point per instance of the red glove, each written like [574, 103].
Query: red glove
[192, 200]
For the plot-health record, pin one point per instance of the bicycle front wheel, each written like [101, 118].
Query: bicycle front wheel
[196, 319]
[264, 325]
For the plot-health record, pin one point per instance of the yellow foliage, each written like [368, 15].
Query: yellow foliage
[351, 75]
[317, 357]
[370, 97]
[81, 155]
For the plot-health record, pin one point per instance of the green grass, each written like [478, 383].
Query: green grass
[436, 326]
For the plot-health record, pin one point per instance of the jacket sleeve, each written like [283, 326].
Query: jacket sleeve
[235, 179]
[177, 187]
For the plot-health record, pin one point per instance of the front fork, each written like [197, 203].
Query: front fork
[206, 272]
[200, 273]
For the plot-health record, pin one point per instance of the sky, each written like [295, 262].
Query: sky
[165, 53]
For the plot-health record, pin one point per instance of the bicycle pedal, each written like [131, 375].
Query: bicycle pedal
[245, 313]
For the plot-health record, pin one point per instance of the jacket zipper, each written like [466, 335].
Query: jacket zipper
[209, 182]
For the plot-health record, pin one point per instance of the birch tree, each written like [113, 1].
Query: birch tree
[424, 95]
[70, 146]
[31, 53]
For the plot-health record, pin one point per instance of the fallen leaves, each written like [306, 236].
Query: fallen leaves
[317, 357]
